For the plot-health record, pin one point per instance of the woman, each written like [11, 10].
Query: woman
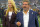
[10, 15]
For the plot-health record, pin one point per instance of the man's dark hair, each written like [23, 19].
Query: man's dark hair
[27, 1]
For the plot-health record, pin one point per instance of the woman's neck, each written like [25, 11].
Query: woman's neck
[11, 9]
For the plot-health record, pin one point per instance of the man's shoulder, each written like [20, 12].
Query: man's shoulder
[19, 12]
[33, 11]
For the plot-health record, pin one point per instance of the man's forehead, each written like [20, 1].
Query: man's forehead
[25, 2]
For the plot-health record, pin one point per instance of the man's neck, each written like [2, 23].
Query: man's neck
[25, 11]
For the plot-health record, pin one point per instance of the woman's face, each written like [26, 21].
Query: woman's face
[9, 4]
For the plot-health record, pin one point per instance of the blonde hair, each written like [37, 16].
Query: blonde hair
[13, 4]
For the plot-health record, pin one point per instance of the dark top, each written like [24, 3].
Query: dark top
[10, 23]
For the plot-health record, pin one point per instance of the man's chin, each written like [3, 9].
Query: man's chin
[24, 8]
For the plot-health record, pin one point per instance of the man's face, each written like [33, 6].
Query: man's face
[25, 5]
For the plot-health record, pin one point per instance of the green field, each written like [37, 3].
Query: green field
[38, 20]
[0, 23]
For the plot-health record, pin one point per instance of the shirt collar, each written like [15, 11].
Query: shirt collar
[27, 12]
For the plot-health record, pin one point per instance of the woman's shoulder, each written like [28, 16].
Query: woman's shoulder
[14, 13]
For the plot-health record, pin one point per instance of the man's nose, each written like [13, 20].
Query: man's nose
[24, 5]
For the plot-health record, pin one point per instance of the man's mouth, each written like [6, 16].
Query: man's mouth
[24, 7]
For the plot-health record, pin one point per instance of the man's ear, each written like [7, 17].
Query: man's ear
[29, 5]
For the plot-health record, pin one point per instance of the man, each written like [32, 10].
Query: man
[27, 18]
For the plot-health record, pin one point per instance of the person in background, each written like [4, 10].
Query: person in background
[10, 15]
[27, 17]
[1, 13]
[39, 12]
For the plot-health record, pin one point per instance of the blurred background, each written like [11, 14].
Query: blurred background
[35, 6]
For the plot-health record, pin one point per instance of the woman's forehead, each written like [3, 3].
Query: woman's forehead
[9, 1]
